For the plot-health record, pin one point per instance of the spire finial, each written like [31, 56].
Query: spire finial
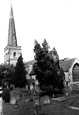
[11, 3]
[11, 10]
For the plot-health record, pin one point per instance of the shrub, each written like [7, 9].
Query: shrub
[6, 95]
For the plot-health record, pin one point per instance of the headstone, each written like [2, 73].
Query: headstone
[16, 105]
[12, 99]
[17, 96]
[66, 93]
[37, 107]
[47, 100]
[31, 88]
[38, 110]
[36, 101]
[53, 95]
[27, 100]
[26, 87]
[1, 106]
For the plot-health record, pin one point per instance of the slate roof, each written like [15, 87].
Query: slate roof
[32, 72]
[65, 64]
[30, 63]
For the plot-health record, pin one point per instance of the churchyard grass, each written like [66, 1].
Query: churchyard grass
[55, 108]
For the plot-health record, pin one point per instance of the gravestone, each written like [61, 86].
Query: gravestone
[26, 88]
[17, 97]
[12, 99]
[1, 106]
[27, 100]
[38, 110]
[37, 107]
[47, 100]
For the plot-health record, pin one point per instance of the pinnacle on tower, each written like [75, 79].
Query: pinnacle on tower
[12, 40]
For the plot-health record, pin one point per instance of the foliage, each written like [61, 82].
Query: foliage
[6, 95]
[19, 77]
[47, 69]
[6, 72]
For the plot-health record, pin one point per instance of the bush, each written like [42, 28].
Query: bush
[6, 95]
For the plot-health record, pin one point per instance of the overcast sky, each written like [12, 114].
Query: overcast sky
[55, 20]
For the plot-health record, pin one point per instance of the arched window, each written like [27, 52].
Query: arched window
[76, 73]
[14, 54]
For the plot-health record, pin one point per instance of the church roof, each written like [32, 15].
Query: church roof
[30, 63]
[32, 72]
[65, 64]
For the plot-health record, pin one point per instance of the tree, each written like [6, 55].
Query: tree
[19, 77]
[47, 69]
[6, 72]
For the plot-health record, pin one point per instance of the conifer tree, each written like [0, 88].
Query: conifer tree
[47, 69]
[19, 77]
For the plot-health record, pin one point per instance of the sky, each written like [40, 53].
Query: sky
[57, 21]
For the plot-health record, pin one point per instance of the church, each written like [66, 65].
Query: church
[12, 52]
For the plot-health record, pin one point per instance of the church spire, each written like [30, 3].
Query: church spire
[12, 40]
[12, 51]
[11, 12]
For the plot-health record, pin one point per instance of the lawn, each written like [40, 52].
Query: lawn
[55, 108]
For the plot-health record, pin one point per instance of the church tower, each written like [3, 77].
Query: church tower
[12, 51]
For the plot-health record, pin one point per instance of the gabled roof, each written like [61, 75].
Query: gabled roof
[66, 64]
[32, 72]
[30, 62]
